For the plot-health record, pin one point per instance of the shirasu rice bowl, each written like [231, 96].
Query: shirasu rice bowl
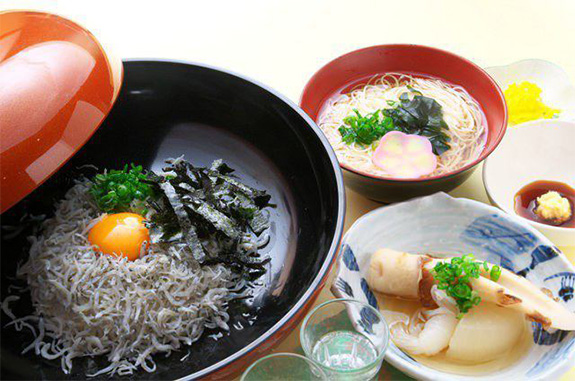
[88, 305]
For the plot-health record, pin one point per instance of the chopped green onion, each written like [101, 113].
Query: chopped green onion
[455, 278]
[495, 273]
[116, 190]
[364, 130]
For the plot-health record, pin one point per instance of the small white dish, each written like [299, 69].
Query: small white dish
[440, 224]
[539, 150]
[557, 89]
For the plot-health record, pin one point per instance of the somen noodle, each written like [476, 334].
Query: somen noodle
[464, 118]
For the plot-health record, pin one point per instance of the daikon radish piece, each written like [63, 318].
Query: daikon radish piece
[484, 333]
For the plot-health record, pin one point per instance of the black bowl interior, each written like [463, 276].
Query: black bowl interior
[167, 109]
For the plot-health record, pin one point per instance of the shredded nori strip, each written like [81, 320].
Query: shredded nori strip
[198, 205]
[186, 226]
[221, 167]
[259, 222]
[260, 198]
[220, 221]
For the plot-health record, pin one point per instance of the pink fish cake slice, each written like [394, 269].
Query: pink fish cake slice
[405, 156]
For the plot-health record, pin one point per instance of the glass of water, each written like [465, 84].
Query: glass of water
[284, 366]
[347, 338]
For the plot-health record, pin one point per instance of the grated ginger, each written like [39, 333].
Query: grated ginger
[551, 206]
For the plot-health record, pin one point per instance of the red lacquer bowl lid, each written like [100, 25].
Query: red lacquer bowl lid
[57, 86]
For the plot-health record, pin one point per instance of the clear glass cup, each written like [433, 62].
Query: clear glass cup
[284, 366]
[347, 338]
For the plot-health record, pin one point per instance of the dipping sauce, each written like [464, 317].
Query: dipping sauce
[526, 201]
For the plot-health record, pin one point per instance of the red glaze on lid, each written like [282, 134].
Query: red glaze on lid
[58, 85]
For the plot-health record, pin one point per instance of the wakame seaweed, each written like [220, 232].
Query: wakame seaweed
[423, 116]
[419, 115]
[202, 206]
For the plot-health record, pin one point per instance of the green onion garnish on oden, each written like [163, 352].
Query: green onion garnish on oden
[454, 276]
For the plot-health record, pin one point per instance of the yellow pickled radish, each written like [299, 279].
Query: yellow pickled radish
[524, 103]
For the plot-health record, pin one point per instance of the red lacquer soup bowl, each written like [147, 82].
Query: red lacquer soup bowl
[360, 66]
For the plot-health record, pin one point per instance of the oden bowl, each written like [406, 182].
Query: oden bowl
[442, 225]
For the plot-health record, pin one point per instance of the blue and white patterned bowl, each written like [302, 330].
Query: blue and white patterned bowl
[441, 224]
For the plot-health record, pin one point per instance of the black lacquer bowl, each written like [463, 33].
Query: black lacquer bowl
[167, 109]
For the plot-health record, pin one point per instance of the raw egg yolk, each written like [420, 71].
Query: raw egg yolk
[121, 234]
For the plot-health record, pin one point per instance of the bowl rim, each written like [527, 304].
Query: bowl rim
[484, 154]
[538, 225]
[427, 373]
